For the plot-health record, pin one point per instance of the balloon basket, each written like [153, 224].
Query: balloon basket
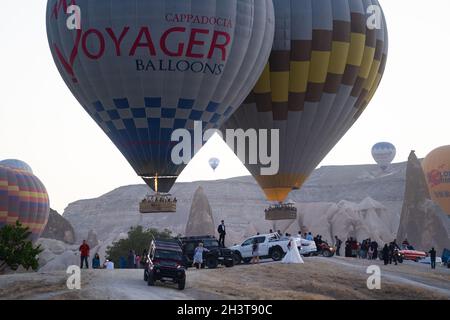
[281, 212]
[158, 203]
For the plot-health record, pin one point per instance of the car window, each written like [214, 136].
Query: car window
[247, 242]
[260, 239]
[167, 254]
[211, 243]
[189, 247]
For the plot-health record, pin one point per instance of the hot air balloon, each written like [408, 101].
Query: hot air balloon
[214, 163]
[436, 166]
[16, 164]
[326, 64]
[383, 153]
[143, 69]
[23, 197]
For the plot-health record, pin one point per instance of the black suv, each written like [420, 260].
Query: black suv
[215, 256]
[165, 262]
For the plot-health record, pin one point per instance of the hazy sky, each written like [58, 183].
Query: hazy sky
[42, 123]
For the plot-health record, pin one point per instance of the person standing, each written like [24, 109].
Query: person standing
[375, 250]
[84, 252]
[386, 254]
[198, 255]
[96, 262]
[222, 233]
[337, 244]
[130, 259]
[432, 253]
[255, 251]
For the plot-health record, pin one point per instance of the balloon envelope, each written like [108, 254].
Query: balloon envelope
[383, 153]
[16, 164]
[436, 166]
[143, 69]
[325, 66]
[23, 197]
[214, 163]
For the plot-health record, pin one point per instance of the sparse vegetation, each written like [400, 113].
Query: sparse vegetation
[138, 240]
[16, 249]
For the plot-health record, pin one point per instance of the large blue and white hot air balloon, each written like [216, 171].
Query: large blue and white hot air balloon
[383, 153]
[143, 69]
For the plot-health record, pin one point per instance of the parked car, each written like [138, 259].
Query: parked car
[216, 255]
[271, 246]
[325, 250]
[165, 263]
[409, 253]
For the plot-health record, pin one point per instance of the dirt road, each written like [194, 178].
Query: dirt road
[318, 278]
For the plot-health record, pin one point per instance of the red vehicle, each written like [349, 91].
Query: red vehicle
[409, 253]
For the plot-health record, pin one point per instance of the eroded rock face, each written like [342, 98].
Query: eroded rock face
[422, 221]
[58, 228]
[200, 221]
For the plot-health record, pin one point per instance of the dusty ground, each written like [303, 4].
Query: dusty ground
[318, 278]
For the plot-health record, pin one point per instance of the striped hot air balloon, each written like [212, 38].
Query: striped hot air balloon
[23, 197]
[144, 68]
[327, 61]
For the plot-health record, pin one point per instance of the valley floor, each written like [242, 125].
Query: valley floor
[318, 278]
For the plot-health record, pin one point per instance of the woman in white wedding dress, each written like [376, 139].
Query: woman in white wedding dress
[293, 255]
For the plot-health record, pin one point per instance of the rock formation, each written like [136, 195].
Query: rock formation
[240, 202]
[200, 220]
[422, 221]
[58, 228]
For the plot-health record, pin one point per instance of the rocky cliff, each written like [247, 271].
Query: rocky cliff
[58, 228]
[422, 222]
[200, 221]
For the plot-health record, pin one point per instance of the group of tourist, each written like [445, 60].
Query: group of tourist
[367, 249]
[96, 264]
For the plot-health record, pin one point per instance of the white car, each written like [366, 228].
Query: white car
[271, 246]
[427, 260]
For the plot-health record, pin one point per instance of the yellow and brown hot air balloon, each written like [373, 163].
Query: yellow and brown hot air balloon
[436, 166]
[23, 197]
[327, 61]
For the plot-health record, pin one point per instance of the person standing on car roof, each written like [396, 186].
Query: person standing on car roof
[222, 233]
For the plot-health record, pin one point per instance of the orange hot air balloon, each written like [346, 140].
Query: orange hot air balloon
[437, 171]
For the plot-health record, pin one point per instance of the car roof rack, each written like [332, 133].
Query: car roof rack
[198, 237]
[170, 244]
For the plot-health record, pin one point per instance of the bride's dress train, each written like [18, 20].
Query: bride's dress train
[293, 255]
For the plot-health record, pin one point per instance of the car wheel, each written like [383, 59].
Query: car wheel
[277, 254]
[327, 254]
[211, 262]
[182, 284]
[237, 258]
[150, 279]
[229, 263]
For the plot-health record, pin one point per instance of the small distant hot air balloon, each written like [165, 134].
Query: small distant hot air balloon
[384, 153]
[214, 163]
[23, 197]
[436, 166]
[326, 65]
[144, 68]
